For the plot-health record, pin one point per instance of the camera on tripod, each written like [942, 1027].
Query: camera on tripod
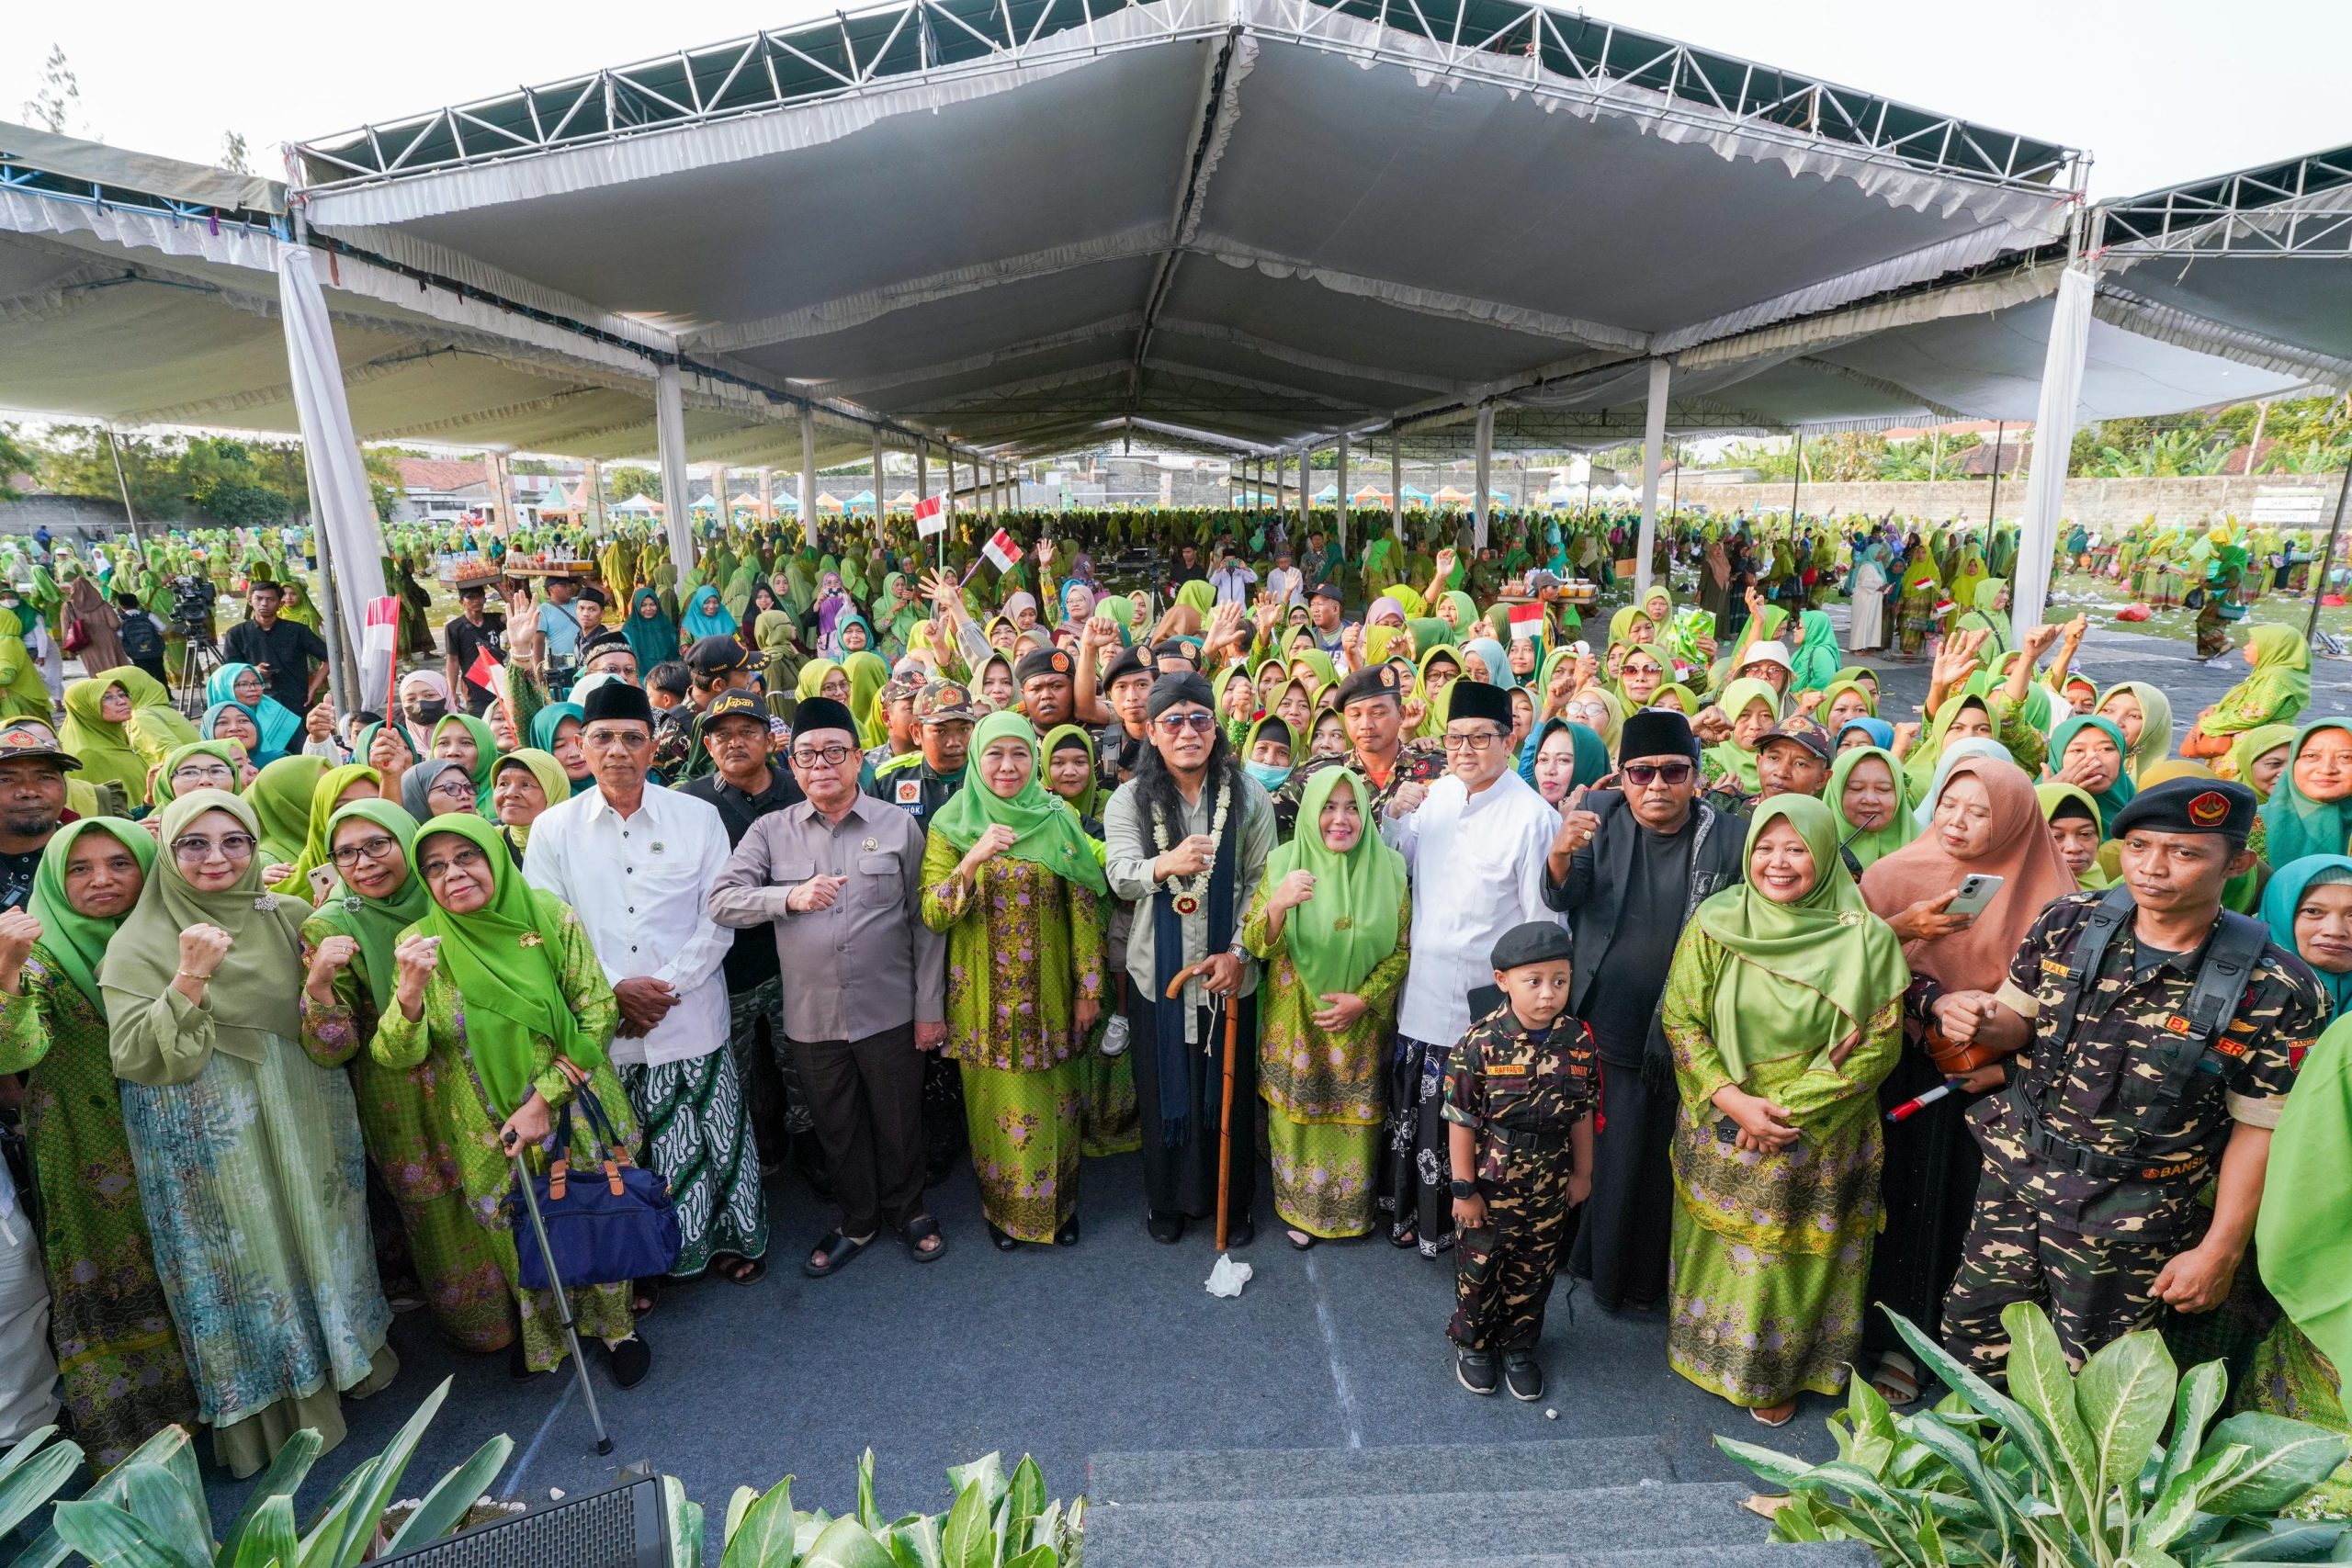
[192, 600]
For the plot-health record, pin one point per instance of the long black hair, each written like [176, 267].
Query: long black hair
[1156, 789]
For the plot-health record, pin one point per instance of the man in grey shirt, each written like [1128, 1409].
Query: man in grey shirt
[865, 980]
[1185, 841]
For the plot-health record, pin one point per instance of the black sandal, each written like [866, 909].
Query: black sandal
[838, 1249]
[920, 1230]
[738, 1270]
[1000, 1241]
[1166, 1229]
[644, 1295]
[1067, 1235]
[1300, 1239]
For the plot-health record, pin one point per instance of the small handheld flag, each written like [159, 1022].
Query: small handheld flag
[1002, 551]
[931, 517]
[1526, 621]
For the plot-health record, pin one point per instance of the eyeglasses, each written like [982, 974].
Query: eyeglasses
[189, 774]
[376, 848]
[457, 788]
[1644, 774]
[829, 756]
[194, 850]
[1177, 723]
[467, 859]
[1477, 742]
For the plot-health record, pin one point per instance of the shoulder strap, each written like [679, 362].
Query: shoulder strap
[2106, 917]
[2230, 953]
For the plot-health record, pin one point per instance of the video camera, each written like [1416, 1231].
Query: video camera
[192, 600]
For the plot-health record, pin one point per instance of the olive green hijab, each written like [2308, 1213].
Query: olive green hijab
[76, 942]
[1048, 829]
[1868, 847]
[376, 923]
[1351, 921]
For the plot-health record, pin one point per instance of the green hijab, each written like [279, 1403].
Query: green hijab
[1802, 976]
[105, 749]
[258, 983]
[812, 677]
[2278, 687]
[1727, 755]
[506, 961]
[2295, 824]
[2248, 749]
[485, 748]
[2303, 1231]
[2052, 795]
[332, 783]
[225, 749]
[1869, 847]
[2115, 796]
[867, 675]
[2155, 725]
[76, 942]
[1351, 921]
[281, 803]
[376, 923]
[545, 723]
[1047, 828]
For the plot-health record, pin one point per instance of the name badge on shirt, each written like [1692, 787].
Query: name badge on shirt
[1506, 1069]
[656, 846]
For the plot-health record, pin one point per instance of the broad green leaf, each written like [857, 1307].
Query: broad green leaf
[987, 1471]
[1771, 1467]
[2147, 1557]
[2022, 1426]
[1024, 1498]
[371, 1498]
[2125, 1393]
[1959, 1452]
[22, 1449]
[761, 1536]
[737, 1506]
[806, 1528]
[268, 1537]
[2041, 1381]
[33, 1481]
[969, 1538]
[106, 1534]
[167, 1515]
[455, 1493]
[174, 1451]
[2290, 1459]
[2177, 1505]
[868, 1514]
[282, 1479]
[2201, 1388]
[1867, 1409]
[1035, 1557]
[1044, 1529]
[49, 1550]
[324, 1540]
[914, 1542]
[682, 1516]
[845, 1543]
[1856, 1483]
[2275, 1540]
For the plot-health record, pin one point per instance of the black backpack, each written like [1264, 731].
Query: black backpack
[140, 638]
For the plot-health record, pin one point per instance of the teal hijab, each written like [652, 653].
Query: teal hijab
[2295, 824]
[2117, 796]
[2279, 901]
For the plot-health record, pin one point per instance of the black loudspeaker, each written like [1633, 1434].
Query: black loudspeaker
[620, 1527]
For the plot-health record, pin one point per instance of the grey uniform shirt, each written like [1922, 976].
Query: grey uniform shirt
[1129, 851]
[866, 965]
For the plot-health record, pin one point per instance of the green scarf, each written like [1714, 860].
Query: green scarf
[2248, 749]
[257, 983]
[2115, 796]
[1803, 976]
[506, 961]
[2303, 1233]
[76, 942]
[376, 923]
[331, 784]
[2279, 688]
[2155, 725]
[1727, 755]
[282, 802]
[105, 749]
[2092, 879]
[1869, 847]
[225, 749]
[1047, 830]
[1351, 922]
[2295, 824]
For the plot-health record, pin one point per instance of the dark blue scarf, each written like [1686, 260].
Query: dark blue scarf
[1175, 1058]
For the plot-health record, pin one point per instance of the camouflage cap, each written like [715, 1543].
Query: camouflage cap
[945, 702]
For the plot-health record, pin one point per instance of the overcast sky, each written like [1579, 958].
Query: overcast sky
[2160, 91]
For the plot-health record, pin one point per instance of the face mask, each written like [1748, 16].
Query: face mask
[429, 711]
[1271, 774]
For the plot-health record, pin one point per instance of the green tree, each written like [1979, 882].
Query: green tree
[622, 483]
[16, 457]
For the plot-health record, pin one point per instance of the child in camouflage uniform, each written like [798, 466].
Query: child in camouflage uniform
[1519, 1101]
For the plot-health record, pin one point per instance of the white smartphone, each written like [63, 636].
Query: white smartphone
[1976, 891]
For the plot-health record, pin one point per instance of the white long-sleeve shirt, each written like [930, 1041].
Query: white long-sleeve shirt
[640, 884]
[1478, 867]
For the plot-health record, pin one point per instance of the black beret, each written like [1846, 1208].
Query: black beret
[716, 655]
[1185, 686]
[616, 700]
[2189, 805]
[1039, 663]
[1129, 662]
[1656, 732]
[1535, 942]
[823, 713]
[1372, 681]
[1477, 699]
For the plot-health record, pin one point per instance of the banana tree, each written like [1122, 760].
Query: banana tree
[2068, 1469]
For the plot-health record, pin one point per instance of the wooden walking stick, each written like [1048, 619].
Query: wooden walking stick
[1225, 1104]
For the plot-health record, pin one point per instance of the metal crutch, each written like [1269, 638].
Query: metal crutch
[562, 1297]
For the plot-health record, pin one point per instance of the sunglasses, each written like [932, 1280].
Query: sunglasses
[1644, 774]
[1177, 723]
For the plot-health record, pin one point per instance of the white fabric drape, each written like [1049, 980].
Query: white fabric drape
[670, 435]
[1653, 458]
[2054, 441]
[347, 513]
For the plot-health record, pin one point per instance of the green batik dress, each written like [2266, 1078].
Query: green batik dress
[125, 1378]
[1023, 944]
[453, 1257]
[1327, 1095]
[1771, 1252]
[465, 1125]
[1108, 1121]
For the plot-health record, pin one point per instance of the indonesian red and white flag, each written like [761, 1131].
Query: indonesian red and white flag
[1002, 551]
[931, 517]
[487, 673]
[1526, 621]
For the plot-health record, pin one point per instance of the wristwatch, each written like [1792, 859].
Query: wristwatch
[1465, 1189]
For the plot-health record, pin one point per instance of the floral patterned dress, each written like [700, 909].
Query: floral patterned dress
[460, 1117]
[1771, 1251]
[1326, 1094]
[125, 1378]
[1023, 945]
[452, 1253]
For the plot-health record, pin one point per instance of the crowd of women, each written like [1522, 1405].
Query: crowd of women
[261, 1110]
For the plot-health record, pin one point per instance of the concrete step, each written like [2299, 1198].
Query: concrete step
[1423, 1530]
[1236, 1475]
[1817, 1554]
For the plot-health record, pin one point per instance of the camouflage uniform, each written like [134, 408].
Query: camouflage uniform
[1418, 761]
[1523, 1094]
[2088, 1246]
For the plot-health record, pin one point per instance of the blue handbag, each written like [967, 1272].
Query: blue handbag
[601, 1231]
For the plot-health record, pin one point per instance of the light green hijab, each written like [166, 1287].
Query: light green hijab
[1728, 755]
[1351, 921]
[1047, 828]
[376, 923]
[2155, 723]
[1802, 976]
[225, 749]
[2274, 691]
[2303, 1232]
[1869, 847]
[77, 943]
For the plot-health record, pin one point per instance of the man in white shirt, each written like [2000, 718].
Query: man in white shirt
[1475, 843]
[636, 862]
[1230, 575]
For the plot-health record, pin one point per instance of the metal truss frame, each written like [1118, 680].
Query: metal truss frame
[21, 177]
[1519, 44]
[2301, 208]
